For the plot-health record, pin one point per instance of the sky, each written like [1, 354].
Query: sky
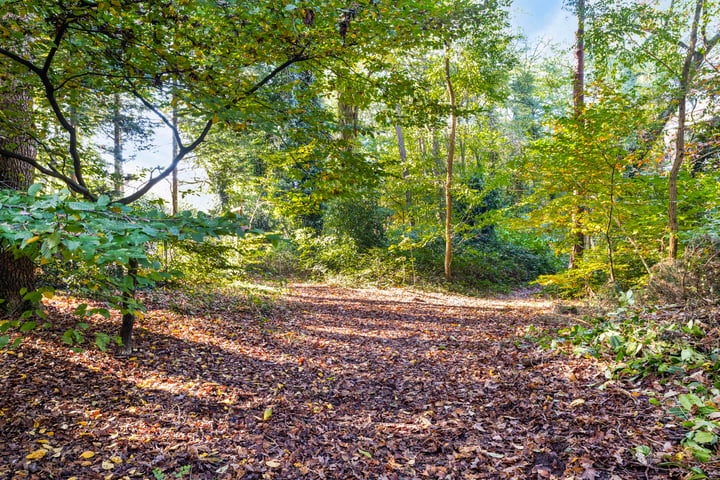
[539, 20]
[543, 20]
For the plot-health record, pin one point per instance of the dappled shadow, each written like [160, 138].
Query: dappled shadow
[329, 386]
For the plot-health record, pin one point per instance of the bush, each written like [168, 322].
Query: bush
[693, 280]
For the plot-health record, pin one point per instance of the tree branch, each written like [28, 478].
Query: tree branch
[51, 172]
[154, 181]
[56, 45]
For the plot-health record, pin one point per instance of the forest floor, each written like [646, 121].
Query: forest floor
[327, 383]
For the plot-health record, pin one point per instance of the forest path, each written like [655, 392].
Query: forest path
[331, 383]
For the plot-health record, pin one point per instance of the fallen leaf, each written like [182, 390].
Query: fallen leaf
[36, 455]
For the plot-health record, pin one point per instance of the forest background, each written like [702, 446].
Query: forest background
[370, 142]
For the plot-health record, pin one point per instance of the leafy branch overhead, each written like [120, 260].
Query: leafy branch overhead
[210, 60]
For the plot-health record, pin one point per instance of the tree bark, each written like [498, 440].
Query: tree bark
[680, 138]
[128, 320]
[15, 273]
[403, 160]
[117, 147]
[449, 169]
[578, 248]
[175, 187]
[348, 115]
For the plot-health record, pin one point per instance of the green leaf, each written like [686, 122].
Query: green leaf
[367, 454]
[101, 340]
[82, 206]
[69, 337]
[704, 437]
[33, 297]
[678, 412]
[688, 400]
[5, 326]
[4, 340]
[103, 201]
[34, 189]
[27, 326]
[267, 413]
[81, 310]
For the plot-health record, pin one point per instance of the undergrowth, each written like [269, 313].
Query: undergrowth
[679, 351]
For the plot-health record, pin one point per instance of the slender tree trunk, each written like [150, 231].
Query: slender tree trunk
[680, 138]
[406, 169]
[437, 175]
[449, 169]
[608, 238]
[128, 320]
[175, 183]
[578, 248]
[117, 147]
[348, 115]
[15, 273]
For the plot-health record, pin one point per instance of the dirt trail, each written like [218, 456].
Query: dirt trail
[336, 383]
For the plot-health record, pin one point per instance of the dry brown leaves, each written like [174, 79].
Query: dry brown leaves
[336, 384]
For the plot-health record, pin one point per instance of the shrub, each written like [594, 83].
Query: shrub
[694, 279]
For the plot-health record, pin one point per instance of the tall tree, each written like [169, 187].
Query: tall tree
[685, 77]
[16, 274]
[578, 247]
[449, 166]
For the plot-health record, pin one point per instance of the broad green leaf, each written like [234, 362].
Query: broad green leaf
[101, 340]
[27, 326]
[34, 189]
[704, 437]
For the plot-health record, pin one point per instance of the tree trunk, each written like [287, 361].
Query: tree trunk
[348, 115]
[406, 169]
[449, 169]
[128, 320]
[117, 147]
[578, 248]
[437, 175]
[680, 138]
[15, 274]
[175, 187]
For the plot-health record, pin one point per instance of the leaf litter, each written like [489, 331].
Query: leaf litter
[334, 383]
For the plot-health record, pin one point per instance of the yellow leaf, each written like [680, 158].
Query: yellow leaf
[87, 454]
[116, 459]
[267, 413]
[576, 402]
[36, 455]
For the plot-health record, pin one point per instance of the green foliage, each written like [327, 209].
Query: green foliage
[358, 219]
[179, 473]
[103, 240]
[639, 345]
